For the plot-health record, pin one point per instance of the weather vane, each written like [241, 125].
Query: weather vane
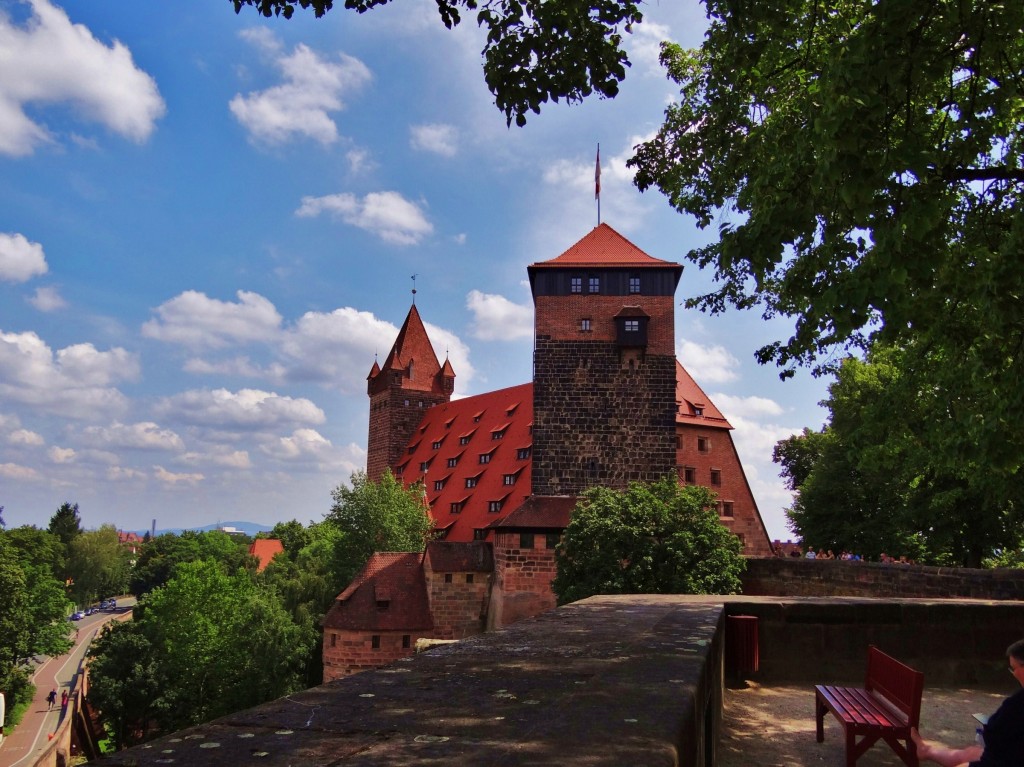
[414, 289]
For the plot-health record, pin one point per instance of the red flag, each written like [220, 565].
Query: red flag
[597, 175]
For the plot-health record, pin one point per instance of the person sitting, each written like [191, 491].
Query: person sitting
[1003, 734]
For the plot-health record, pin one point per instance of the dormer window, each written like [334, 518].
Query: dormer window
[437, 445]
[439, 484]
[523, 453]
[424, 466]
[631, 326]
[383, 604]
[453, 462]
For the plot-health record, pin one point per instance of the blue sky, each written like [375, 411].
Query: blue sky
[209, 224]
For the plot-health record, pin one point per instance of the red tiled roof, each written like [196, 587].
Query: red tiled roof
[413, 346]
[455, 422]
[265, 549]
[394, 577]
[692, 398]
[445, 556]
[603, 246]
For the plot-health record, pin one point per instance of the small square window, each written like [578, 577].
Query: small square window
[632, 326]
[375, 641]
[634, 284]
[585, 324]
[551, 540]
[594, 285]
[703, 445]
[690, 475]
[716, 477]
[727, 510]
[447, 577]
[469, 577]
[576, 284]
[526, 540]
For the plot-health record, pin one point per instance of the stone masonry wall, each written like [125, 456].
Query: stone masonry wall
[394, 416]
[560, 316]
[522, 579]
[793, 577]
[598, 422]
[458, 607]
[348, 652]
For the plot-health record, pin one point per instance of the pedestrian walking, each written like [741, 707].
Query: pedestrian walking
[63, 699]
[51, 699]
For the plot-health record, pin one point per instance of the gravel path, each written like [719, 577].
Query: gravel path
[774, 726]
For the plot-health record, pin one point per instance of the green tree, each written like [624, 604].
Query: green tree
[65, 523]
[869, 481]
[46, 605]
[160, 556]
[377, 516]
[15, 626]
[98, 564]
[222, 643]
[864, 161]
[535, 52]
[125, 682]
[661, 538]
[39, 547]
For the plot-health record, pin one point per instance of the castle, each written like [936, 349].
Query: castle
[609, 404]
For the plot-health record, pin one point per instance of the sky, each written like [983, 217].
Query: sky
[210, 226]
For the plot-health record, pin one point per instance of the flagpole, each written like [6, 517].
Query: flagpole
[597, 183]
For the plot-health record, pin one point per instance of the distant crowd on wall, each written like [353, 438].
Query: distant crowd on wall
[796, 550]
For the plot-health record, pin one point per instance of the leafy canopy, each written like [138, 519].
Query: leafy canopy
[662, 538]
[535, 51]
[870, 482]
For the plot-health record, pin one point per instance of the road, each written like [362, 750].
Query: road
[20, 747]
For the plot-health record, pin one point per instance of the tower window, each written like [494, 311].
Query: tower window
[727, 510]
[634, 284]
[594, 285]
[703, 445]
[576, 284]
[469, 577]
[447, 577]
[585, 324]
[375, 641]
[716, 477]
[551, 540]
[526, 540]
[406, 641]
[690, 475]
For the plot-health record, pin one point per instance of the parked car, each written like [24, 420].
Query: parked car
[77, 615]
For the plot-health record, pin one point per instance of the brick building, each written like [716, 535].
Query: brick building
[609, 404]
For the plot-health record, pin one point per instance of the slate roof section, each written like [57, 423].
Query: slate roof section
[540, 512]
[455, 474]
[394, 577]
[448, 557]
[605, 247]
[265, 549]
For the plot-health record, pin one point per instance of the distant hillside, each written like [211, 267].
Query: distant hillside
[249, 528]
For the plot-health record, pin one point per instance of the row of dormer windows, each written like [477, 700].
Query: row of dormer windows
[593, 283]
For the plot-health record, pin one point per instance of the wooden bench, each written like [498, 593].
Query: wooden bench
[886, 708]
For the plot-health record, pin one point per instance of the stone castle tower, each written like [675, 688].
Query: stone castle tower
[410, 380]
[604, 392]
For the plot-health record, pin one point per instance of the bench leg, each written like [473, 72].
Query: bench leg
[820, 709]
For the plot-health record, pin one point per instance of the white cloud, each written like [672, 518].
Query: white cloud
[437, 138]
[195, 320]
[20, 260]
[244, 409]
[495, 318]
[447, 344]
[359, 162]
[313, 88]
[50, 60]
[47, 299]
[302, 443]
[707, 364]
[385, 214]
[61, 454]
[746, 407]
[144, 435]
[223, 457]
[123, 474]
[26, 438]
[645, 47]
[170, 478]
[74, 381]
[18, 472]
[237, 366]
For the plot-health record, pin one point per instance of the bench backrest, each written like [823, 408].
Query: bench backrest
[897, 682]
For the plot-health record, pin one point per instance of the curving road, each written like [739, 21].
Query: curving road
[20, 748]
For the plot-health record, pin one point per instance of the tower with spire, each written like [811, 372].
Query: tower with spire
[410, 381]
